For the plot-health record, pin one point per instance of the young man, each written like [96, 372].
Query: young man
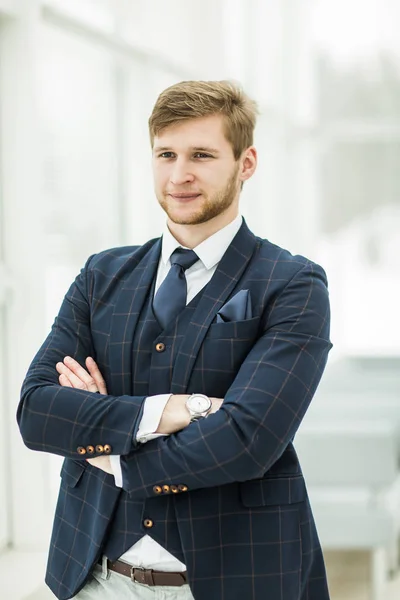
[173, 382]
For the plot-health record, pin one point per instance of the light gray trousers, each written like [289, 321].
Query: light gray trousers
[108, 585]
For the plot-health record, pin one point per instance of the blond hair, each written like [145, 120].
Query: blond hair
[194, 99]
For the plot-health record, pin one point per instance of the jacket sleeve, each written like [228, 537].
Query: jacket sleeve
[263, 408]
[66, 421]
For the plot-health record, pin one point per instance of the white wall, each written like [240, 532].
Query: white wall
[23, 254]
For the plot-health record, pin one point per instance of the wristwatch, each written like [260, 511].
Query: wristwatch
[198, 406]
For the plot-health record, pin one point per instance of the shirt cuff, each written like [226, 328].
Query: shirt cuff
[115, 461]
[152, 412]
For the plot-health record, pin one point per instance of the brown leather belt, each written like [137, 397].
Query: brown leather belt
[147, 576]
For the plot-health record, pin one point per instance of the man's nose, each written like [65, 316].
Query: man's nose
[180, 173]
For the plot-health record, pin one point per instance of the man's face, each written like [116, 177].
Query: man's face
[196, 177]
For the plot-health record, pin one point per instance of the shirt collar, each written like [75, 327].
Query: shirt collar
[211, 250]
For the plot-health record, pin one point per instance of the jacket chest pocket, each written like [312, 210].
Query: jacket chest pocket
[226, 345]
[222, 353]
[234, 330]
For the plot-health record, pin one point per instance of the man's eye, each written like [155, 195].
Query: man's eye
[165, 155]
[202, 155]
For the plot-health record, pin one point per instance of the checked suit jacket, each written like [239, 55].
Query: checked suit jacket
[239, 519]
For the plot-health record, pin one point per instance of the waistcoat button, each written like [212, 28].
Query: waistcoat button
[160, 347]
[148, 523]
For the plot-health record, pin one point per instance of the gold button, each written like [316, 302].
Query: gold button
[165, 489]
[99, 448]
[183, 488]
[107, 449]
[157, 489]
[148, 523]
[90, 449]
[174, 489]
[81, 450]
[160, 347]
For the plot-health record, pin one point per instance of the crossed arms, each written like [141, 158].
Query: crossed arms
[173, 418]
[258, 418]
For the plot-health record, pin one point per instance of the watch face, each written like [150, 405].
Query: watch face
[199, 404]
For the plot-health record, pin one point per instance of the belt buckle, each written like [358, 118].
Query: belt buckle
[133, 574]
[144, 577]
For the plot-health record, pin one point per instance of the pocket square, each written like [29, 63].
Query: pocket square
[237, 308]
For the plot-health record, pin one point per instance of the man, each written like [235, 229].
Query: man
[173, 382]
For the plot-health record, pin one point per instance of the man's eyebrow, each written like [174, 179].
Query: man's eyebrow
[193, 149]
[205, 149]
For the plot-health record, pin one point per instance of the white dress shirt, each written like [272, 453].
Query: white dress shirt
[147, 553]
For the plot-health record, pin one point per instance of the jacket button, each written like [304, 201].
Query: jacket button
[148, 523]
[157, 489]
[81, 450]
[174, 489]
[90, 449]
[99, 448]
[107, 449]
[160, 347]
[166, 489]
[183, 488]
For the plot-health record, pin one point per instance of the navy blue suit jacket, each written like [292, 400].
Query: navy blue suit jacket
[245, 525]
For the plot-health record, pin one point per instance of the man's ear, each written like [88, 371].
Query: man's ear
[249, 164]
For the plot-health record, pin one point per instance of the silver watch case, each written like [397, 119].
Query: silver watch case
[198, 406]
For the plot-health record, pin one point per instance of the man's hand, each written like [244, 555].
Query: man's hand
[71, 374]
[101, 462]
[75, 376]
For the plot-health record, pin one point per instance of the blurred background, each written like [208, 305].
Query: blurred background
[78, 79]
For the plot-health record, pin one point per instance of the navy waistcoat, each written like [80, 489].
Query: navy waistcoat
[151, 375]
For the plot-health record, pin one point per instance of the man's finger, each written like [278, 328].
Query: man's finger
[72, 378]
[64, 381]
[95, 373]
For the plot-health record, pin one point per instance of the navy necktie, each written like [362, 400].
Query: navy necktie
[170, 298]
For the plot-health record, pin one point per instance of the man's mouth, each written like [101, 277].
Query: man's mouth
[182, 196]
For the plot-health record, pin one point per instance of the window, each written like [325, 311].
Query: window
[4, 467]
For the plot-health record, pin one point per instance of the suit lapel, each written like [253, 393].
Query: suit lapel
[225, 278]
[125, 317]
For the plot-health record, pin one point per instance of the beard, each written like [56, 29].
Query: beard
[212, 206]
